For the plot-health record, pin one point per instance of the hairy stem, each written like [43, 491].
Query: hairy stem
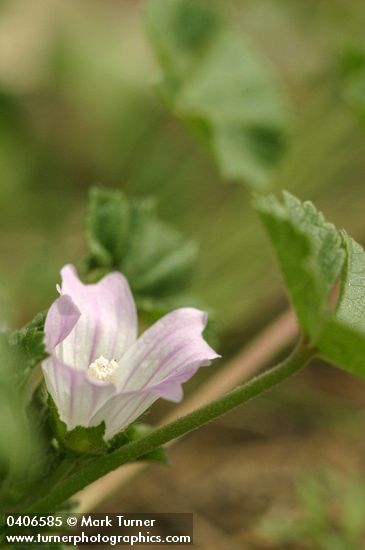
[132, 451]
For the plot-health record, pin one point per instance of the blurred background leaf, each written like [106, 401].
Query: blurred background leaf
[16, 441]
[353, 75]
[216, 82]
[126, 235]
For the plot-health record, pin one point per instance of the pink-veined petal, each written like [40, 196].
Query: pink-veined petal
[61, 318]
[161, 360]
[122, 409]
[108, 322]
[76, 396]
[167, 354]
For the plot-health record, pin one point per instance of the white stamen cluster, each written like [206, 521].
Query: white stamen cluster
[103, 369]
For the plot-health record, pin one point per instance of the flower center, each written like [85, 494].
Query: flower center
[103, 369]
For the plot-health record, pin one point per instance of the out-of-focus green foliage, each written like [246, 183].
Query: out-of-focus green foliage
[126, 235]
[353, 74]
[217, 83]
[329, 514]
[26, 450]
[16, 441]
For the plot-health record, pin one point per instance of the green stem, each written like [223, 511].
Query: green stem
[132, 451]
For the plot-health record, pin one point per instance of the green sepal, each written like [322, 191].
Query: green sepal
[80, 440]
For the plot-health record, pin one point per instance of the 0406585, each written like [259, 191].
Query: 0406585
[33, 521]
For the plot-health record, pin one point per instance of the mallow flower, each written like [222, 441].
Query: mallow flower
[99, 370]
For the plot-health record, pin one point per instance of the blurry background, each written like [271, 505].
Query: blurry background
[79, 106]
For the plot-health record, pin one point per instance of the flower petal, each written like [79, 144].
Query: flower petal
[108, 321]
[166, 355]
[159, 362]
[76, 396]
[122, 409]
[61, 318]
[172, 349]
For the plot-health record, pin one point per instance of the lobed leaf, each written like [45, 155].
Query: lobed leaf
[126, 235]
[310, 255]
[313, 255]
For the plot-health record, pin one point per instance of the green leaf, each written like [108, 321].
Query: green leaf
[313, 256]
[28, 344]
[216, 82]
[127, 235]
[351, 304]
[342, 340]
[108, 225]
[343, 346]
[310, 255]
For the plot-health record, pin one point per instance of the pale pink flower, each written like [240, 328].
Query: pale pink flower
[98, 370]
